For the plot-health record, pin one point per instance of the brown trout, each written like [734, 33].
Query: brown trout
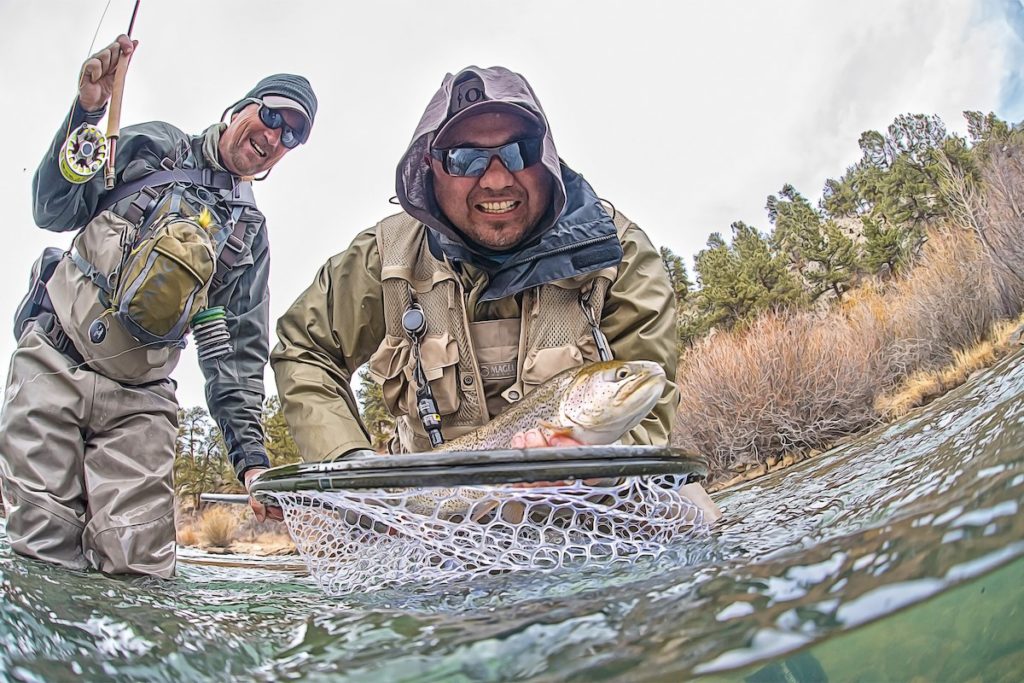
[594, 404]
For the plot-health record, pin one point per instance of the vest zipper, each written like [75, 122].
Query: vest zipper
[569, 247]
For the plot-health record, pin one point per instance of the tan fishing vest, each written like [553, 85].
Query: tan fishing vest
[76, 303]
[554, 335]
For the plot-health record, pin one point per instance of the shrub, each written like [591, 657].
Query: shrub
[787, 382]
[217, 525]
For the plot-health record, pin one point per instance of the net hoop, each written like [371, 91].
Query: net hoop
[468, 468]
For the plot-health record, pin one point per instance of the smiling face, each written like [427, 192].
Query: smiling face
[499, 208]
[247, 147]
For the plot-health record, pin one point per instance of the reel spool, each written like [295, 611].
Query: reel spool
[84, 154]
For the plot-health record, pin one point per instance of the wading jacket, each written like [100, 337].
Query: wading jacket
[234, 383]
[477, 354]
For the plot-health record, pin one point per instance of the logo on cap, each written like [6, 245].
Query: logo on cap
[465, 93]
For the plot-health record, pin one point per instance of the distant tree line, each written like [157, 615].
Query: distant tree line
[200, 461]
[871, 222]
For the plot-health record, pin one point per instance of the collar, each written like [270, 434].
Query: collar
[583, 240]
[211, 149]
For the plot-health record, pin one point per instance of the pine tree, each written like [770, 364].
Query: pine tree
[888, 249]
[199, 462]
[741, 279]
[817, 250]
[375, 415]
[281, 447]
[676, 269]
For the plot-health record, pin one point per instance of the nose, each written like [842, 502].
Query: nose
[496, 177]
[274, 135]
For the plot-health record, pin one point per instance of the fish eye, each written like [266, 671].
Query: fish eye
[622, 373]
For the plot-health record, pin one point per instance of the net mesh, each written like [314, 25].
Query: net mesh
[365, 540]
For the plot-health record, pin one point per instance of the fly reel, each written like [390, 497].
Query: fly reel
[83, 154]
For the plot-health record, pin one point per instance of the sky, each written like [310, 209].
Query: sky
[685, 115]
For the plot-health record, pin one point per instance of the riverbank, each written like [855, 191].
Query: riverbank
[916, 391]
[232, 529]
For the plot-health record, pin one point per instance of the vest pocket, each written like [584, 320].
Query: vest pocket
[540, 365]
[392, 367]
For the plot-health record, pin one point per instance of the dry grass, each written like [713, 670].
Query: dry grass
[948, 301]
[187, 535]
[924, 386]
[798, 382]
[217, 526]
[269, 543]
[785, 383]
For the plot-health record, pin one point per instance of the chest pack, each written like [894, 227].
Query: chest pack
[173, 252]
[165, 273]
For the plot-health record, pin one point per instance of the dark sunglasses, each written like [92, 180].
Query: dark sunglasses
[273, 118]
[473, 161]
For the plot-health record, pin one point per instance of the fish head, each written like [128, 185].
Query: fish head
[605, 400]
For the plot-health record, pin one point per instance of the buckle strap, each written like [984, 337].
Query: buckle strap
[91, 272]
[141, 205]
[51, 328]
[205, 177]
[233, 247]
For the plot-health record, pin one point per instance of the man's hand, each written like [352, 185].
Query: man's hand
[261, 511]
[535, 438]
[96, 81]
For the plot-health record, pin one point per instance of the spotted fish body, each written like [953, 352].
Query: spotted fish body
[594, 404]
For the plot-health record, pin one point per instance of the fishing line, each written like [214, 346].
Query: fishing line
[86, 363]
[88, 54]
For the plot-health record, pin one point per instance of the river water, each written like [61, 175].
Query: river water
[898, 556]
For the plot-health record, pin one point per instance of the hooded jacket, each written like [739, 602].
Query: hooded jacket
[575, 236]
[339, 322]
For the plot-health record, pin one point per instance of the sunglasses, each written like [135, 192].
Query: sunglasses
[473, 161]
[273, 118]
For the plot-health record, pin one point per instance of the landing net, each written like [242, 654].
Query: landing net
[365, 539]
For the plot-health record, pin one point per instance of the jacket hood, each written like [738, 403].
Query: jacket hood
[472, 88]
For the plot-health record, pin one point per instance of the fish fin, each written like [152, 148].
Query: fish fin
[550, 429]
[481, 510]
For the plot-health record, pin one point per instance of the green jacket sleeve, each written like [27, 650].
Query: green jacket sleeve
[640, 323]
[331, 329]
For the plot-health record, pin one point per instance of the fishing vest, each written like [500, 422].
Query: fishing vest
[79, 288]
[554, 335]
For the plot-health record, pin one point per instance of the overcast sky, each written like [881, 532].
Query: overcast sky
[685, 115]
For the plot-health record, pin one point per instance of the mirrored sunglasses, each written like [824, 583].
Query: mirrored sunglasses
[273, 118]
[473, 161]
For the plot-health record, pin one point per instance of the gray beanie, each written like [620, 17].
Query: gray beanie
[289, 86]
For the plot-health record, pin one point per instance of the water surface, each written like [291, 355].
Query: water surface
[892, 557]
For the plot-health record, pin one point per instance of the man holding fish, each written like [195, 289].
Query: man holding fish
[504, 270]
